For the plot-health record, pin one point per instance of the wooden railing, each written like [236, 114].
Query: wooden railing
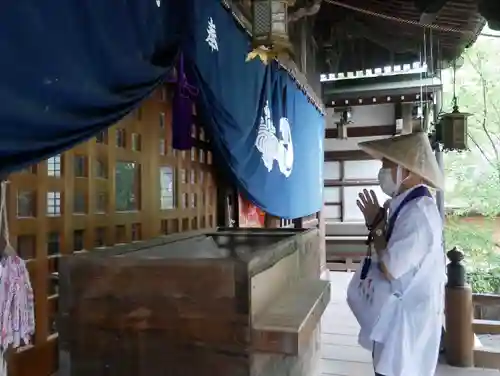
[468, 315]
[345, 245]
[486, 321]
[486, 309]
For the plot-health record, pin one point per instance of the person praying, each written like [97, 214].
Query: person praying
[397, 295]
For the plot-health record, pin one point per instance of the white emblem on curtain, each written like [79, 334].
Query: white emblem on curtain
[212, 35]
[273, 148]
[158, 2]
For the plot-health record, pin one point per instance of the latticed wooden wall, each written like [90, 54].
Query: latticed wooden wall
[127, 184]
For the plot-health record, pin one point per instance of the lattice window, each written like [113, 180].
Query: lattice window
[185, 200]
[101, 202]
[54, 166]
[183, 176]
[78, 240]
[26, 246]
[162, 147]
[80, 166]
[136, 142]
[53, 244]
[121, 138]
[54, 204]
[100, 169]
[79, 203]
[121, 234]
[102, 137]
[167, 189]
[136, 232]
[117, 190]
[161, 118]
[26, 203]
[100, 237]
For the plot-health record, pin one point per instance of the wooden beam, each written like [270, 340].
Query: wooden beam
[365, 131]
[429, 6]
[350, 183]
[486, 299]
[486, 326]
[383, 38]
[365, 100]
[333, 203]
[346, 155]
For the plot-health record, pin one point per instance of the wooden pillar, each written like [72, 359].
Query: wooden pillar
[407, 118]
[459, 337]
[439, 193]
[324, 272]
[438, 153]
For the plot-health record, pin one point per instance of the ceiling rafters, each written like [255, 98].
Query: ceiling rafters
[392, 42]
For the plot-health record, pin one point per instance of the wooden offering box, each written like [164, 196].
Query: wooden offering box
[226, 303]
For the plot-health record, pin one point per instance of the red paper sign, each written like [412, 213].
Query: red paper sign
[250, 215]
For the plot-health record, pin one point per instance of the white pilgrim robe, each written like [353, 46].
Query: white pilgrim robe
[406, 337]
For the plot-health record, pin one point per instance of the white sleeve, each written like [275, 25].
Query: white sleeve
[410, 240]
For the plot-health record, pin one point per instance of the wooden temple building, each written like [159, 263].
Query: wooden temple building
[151, 259]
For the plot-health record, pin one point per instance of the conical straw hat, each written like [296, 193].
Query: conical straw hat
[412, 151]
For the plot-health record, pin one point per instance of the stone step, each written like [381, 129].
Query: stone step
[445, 370]
[487, 357]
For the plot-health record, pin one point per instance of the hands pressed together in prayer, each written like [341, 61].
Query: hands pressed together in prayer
[370, 207]
[375, 219]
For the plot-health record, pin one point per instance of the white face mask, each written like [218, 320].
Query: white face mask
[387, 184]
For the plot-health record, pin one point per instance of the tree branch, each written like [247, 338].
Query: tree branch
[496, 109]
[481, 150]
[484, 88]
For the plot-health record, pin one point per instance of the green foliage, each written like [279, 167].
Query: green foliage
[473, 177]
[485, 281]
[476, 240]
[482, 261]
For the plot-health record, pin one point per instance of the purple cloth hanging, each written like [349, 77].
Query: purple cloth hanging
[182, 110]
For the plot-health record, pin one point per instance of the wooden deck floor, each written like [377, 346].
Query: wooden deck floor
[342, 356]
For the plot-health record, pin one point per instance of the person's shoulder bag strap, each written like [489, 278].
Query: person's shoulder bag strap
[420, 191]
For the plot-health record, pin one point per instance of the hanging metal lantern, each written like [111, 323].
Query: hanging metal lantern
[341, 131]
[270, 29]
[452, 130]
[344, 120]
